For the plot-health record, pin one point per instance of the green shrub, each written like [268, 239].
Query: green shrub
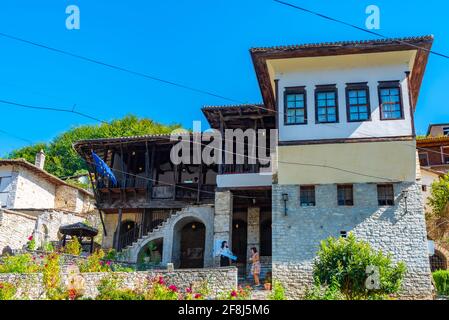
[342, 265]
[94, 263]
[7, 291]
[439, 195]
[22, 263]
[108, 289]
[73, 247]
[441, 278]
[277, 292]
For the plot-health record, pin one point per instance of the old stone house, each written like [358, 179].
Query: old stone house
[34, 202]
[344, 161]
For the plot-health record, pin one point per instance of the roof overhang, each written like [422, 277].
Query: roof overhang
[261, 56]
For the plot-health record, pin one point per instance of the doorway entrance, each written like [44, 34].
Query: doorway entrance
[193, 238]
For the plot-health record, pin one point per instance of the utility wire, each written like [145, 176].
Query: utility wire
[356, 27]
[116, 67]
[17, 104]
[16, 137]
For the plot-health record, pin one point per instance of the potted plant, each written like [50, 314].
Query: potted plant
[267, 281]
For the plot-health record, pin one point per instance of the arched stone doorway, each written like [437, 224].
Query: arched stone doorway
[189, 240]
[151, 254]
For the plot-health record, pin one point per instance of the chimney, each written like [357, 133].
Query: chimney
[40, 159]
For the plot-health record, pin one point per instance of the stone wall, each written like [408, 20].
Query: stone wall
[218, 280]
[399, 230]
[33, 191]
[15, 228]
[223, 219]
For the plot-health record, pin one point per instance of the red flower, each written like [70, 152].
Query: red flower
[30, 238]
[108, 263]
[197, 296]
[1, 285]
[189, 290]
[161, 280]
[72, 294]
[173, 288]
[233, 293]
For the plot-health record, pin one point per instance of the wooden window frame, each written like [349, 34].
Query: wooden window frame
[427, 158]
[358, 86]
[295, 90]
[308, 203]
[445, 129]
[326, 88]
[346, 202]
[387, 201]
[396, 84]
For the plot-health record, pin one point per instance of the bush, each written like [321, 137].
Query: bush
[31, 244]
[7, 291]
[94, 263]
[441, 278]
[242, 293]
[52, 279]
[160, 291]
[108, 289]
[439, 195]
[277, 292]
[22, 263]
[73, 247]
[342, 265]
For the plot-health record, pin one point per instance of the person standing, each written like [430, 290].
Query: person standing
[255, 266]
[226, 255]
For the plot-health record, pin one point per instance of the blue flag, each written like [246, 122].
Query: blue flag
[103, 169]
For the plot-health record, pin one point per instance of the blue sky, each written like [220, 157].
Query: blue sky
[199, 43]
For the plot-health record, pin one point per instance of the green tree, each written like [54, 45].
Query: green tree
[439, 195]
[63, 161]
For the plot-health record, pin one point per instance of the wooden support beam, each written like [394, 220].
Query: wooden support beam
[117, 233]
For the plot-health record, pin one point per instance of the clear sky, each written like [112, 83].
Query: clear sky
[199, 43]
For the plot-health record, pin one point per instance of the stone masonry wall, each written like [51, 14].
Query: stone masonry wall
[223, 219]
[15, 228]
[399, 230]
[218, 280]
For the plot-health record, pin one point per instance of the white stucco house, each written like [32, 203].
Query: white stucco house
[34, 202]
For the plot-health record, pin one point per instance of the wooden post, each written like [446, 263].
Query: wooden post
[64, 239]
[200, 180]
[117, 238]
[150, 174]
[91, 244]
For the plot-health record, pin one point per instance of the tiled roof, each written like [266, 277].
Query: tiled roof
[41, 173]
[342, 43]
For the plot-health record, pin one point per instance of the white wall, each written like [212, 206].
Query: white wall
[244, 180]
[341, 70]
[33, 192]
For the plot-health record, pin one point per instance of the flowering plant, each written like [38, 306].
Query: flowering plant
[31, 244]
[7, 291]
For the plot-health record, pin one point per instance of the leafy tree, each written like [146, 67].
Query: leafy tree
[439, 195]
[63, 161]
[341, 269]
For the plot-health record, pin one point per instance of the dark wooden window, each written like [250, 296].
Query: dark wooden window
[390, 100]
[326, 104]
[423, 159]
[358, 102]
[446, 131]
[437, 262]
[345, 195]
[295, 106]
[307, 195]
[385, 195]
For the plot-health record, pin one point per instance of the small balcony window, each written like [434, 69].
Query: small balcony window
[390, 100]
[295, 106]
[326, 104]
[357, 102]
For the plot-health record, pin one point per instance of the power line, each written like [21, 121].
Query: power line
[116, 67]
[85, 115]
[357, 27]
[16, 137]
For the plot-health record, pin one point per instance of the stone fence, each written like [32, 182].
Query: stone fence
[30, 286]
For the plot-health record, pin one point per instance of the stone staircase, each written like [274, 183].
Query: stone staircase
[127, 253]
